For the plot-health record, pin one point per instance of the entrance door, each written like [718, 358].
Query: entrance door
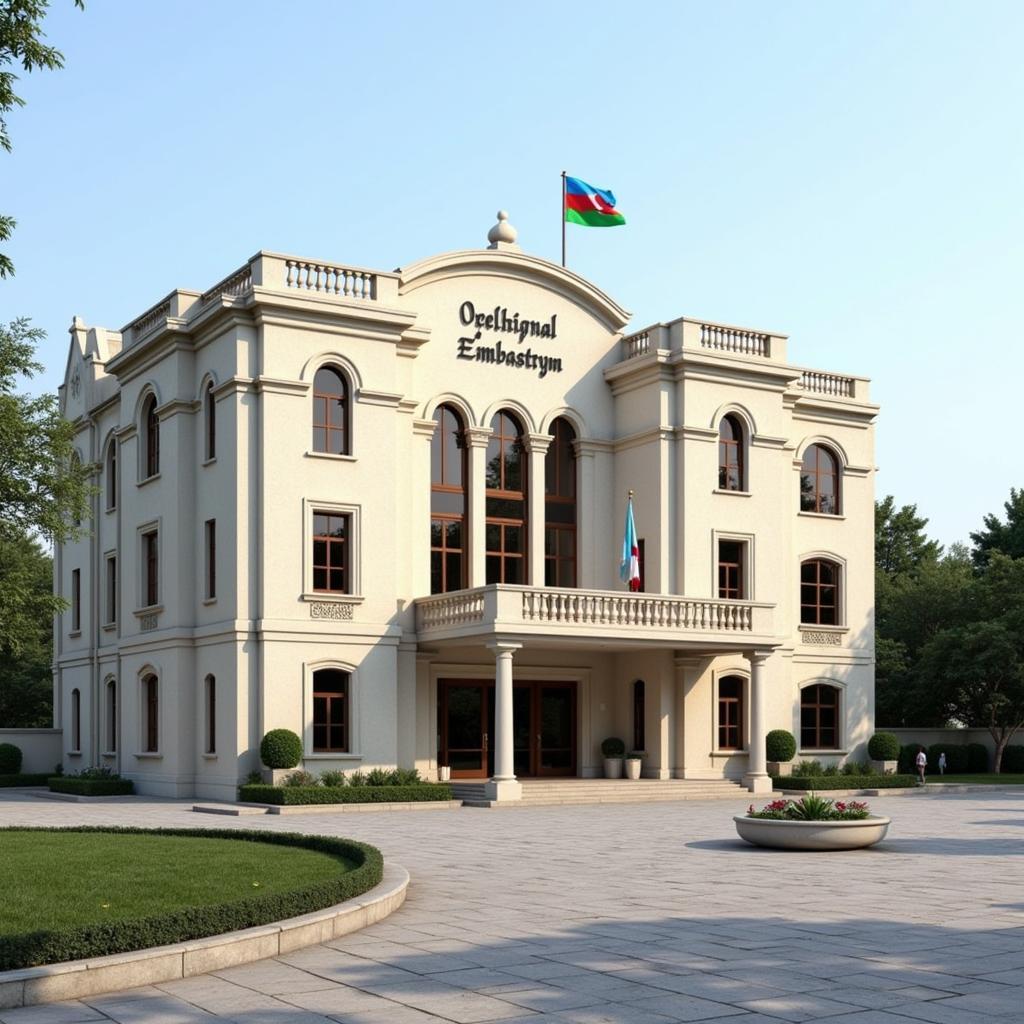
[555, 711]
[463, 721]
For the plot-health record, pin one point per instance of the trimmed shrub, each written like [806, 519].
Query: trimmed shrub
[613, 747]
[848, 782]
[24, 780]
[301, 778]
[111, 786]
[780, 745]
[884, 746]
[807, 768]
[58, 945]
[377, 777]
[281, 748]
[956, 758]
[1013, 760]
[10, 759]
[292, 796]
[977, 757]
[858, 768]
[326, 779]
[906, 759]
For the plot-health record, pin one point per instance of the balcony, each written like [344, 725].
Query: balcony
[605, 618]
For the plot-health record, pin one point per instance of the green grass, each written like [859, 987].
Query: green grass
[52, 880]
[986, 779]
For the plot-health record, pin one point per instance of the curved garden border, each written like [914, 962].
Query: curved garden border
[184, 943]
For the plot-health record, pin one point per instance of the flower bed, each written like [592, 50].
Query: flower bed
[7, 781]
[846, 782]
[811, 808]
[811, 823]
[94, 932]
[110, 785]
[296, 795]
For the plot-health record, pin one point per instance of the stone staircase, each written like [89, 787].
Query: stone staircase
[555, 792]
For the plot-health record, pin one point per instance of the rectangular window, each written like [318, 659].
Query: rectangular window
[211, 715]
[152, 712]
[111, 717]
[76, 720]
[730, 713]
[730, 569]
[150, 569]
[330, 711]
[211, 559]
[111, 599]
[76, 601]
[331, 559]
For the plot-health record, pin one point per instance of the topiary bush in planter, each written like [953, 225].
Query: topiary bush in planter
[613, 747]
[884, 746]
[281, 748]
[780, 745]
[10, 759]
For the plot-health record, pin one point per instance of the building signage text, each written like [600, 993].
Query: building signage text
[500, 354]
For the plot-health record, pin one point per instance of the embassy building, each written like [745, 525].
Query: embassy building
[386, 511]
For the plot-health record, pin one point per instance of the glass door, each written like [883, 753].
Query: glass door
[464, 735]
[555, 716]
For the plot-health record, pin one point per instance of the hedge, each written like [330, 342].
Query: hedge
[884, 746]
[780, 745]
[90, 787]
[24, 780]
[1013, 760]
[961, 758]
[10, 759]
[847, 782]
[79, 943]
[281, 748]
[297, 795]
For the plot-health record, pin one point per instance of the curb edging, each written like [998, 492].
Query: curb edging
[78, 978]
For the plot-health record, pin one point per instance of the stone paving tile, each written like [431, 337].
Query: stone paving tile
[928, 926]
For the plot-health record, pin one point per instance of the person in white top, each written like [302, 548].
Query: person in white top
[942, 763]
[922, 762]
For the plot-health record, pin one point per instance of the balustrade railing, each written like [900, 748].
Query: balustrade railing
[637, 344]
[826, 384]
[234, 284]
[158, 314]
[452, 609]
[331, 280]
[720, 338]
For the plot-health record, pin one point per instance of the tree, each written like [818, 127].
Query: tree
[21, 44]
[26, 611]
[901, 545]
[1006, 537]
[976, 667]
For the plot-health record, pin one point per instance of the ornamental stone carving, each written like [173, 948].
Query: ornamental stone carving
[814, 638]
[330, 610]
[147, 623]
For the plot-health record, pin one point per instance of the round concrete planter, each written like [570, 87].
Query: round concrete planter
[613, 767]
[633, 766]
[812, 835]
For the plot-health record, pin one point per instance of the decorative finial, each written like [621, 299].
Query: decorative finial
[503, 235]
[631, 492]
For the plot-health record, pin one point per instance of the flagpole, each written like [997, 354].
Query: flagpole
[563, 218]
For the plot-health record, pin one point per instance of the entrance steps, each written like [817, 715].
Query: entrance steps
[555, 792]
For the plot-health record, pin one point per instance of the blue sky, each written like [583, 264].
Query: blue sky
[849, 174]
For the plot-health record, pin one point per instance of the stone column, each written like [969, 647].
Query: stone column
[757, 779]
[476, 513]
[503, 785]
[537, 448]
[586, 530]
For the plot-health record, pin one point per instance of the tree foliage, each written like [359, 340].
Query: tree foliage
[901, 545]
[1006, 537]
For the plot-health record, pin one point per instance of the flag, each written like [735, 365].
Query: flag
[629, 568]
[589, 206]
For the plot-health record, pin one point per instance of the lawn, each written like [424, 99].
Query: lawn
[986, 779]
[53, 880]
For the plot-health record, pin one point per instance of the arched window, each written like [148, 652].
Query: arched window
[151, 437]
[560, 507]
[819, 717]
[447, 502]
[730, 713]
[505, 530]
[151, 714]
[819, 481]
[331, 688]
[210, 702]
[76, 720]
[819, 592]
[112, 475]
[330, 412]
[730, 454]
[210, 408]
[111, 717]
[639, 715]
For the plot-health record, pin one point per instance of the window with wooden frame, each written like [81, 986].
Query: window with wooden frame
[151, 435]
[639, 715]
[731, 556]
[331, 547]
[331, 693]
[210, 405]
[151, 714]
[210, 537]
[560, 506]
[820, 481]
[331, 412]
[730, 713]
[819, 592]
[819, 717]
[448, 502]
[76, 600]
[505, 532]
[111, 717]
[111, 488]
[730, 454]
[210, 700]
[150, 568]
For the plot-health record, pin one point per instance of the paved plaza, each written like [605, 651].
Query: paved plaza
[635, 914]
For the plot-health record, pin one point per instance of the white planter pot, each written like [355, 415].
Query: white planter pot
[444, 773]
[633, 766]
[780, 768]
[276, 776]
[885, 767]
[812, 835]
[613, 767]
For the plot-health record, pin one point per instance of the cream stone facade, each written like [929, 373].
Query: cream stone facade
[205, 612]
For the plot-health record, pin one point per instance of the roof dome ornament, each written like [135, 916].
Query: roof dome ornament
[503, 235]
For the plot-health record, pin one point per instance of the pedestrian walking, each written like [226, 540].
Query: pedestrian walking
[921, 761]
[942, 763]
